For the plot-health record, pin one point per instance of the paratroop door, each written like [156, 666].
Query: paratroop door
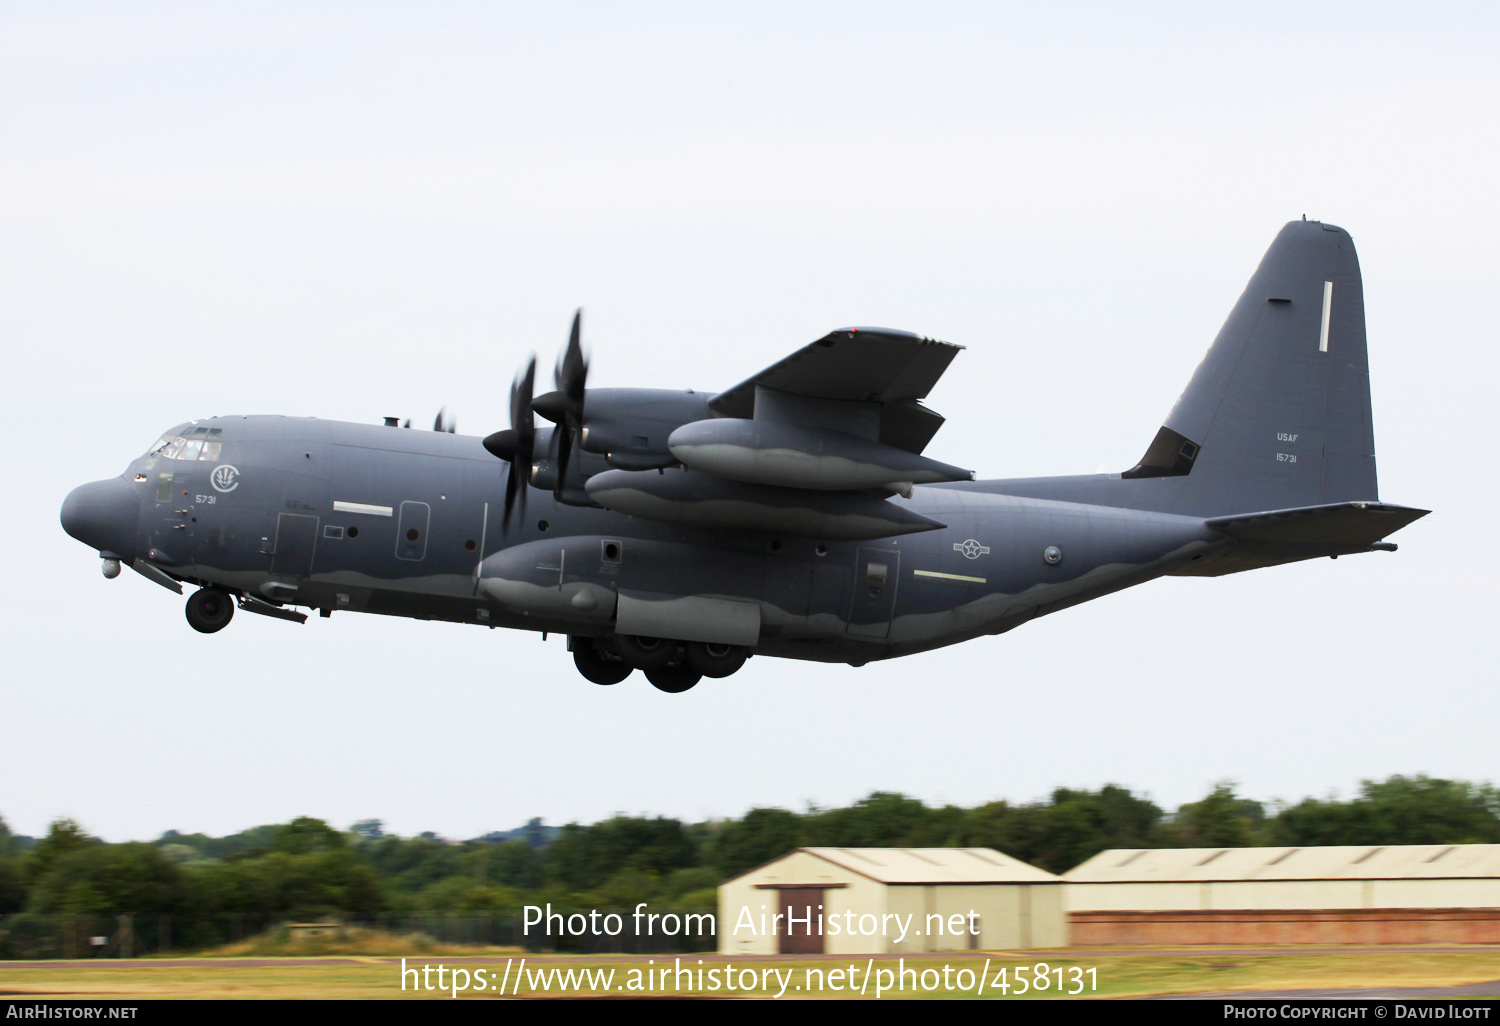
[296, 538]
[411, 530]
[876, 572]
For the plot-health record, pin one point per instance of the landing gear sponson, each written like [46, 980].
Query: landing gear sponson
[670, 666]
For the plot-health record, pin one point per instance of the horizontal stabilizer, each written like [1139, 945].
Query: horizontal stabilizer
[1307, 532]
[1340, 524]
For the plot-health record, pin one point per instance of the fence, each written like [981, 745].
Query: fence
[136, 936]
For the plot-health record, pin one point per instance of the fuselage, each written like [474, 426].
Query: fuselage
[795, 514]
[350, 517]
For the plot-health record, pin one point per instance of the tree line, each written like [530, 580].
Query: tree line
[307, 868]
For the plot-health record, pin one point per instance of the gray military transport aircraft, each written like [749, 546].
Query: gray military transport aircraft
[793, 515]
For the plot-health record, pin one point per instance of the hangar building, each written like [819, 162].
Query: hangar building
[889, 901]
[1394, 894]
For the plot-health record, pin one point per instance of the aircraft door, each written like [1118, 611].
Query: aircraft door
[876, 572]
[296, 538]
[169, 534]
[803, 909]
[411, 530]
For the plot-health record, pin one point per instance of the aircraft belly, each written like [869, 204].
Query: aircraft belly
[993, 569]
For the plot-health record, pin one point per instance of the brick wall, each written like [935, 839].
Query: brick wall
[1289, 926]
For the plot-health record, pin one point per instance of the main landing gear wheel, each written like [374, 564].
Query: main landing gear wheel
[646, 653]
[595, 667]
[674, 680]
[713, 660]
[209, 610]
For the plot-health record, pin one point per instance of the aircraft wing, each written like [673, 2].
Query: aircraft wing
[869, 365]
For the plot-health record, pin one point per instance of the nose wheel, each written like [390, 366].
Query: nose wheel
[209, 610]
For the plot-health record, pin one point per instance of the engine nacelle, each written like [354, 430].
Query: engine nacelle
[703, 500]
[629, 424]
[791, 456]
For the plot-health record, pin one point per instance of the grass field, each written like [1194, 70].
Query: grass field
[1119, 973]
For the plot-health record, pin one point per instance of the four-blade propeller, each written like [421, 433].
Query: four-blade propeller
[564, 407]
[516, 443]
[570, 376]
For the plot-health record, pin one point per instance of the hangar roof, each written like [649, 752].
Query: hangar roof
[933, 865]
[1352, 862]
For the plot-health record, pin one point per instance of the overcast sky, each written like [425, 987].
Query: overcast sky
[358, 210]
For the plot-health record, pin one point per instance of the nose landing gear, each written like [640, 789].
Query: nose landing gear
[209, 610]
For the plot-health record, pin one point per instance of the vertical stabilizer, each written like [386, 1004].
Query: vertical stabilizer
[1278, 413]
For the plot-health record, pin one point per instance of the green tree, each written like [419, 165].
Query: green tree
[12, 886]
[1222, 819]
[305, 835]
[536, 833]
[63, 836]
[306, 885]
[762, 835]
[582, 858]
[514, 864]
[254, 841]
[109, 879]
[408, 865]
[462, 894]
[1399, 810]
[1069, 828]
[368, 829]
[12, 880]
[882, 819]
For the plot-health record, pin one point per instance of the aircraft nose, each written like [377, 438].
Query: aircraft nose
[104, 515]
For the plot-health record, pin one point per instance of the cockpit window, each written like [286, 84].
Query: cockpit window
[200, 443]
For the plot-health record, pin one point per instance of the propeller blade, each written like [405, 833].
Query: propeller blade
[571, 377]
[520, 440]
[572, 369]
[443, 422]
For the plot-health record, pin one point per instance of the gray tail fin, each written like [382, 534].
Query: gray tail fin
[1277, 415]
